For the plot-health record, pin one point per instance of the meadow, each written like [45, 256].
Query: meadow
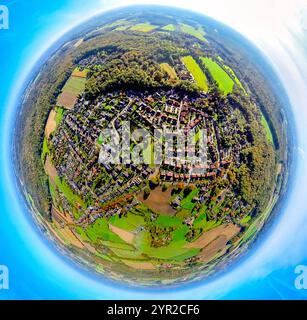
[225, 82]
[196, 72]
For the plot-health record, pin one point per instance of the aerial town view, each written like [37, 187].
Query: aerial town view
[138, 220]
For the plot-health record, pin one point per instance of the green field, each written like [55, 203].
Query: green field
[59, 115]
[116, 23]
[122, 28]
[45, 150]
[169, 27]
[187, 203]
[100, 139]
[173, 252]
[129, 254]
[68, 193]
[234, 76]
[169, 70]
[199, 34]
[75, 85]
[196, 72]
[100, 231]
[168, 221]
[225, 82]
[143, 27]
[130, 222]
[267, 129]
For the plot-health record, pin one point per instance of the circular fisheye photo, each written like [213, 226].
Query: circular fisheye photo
[151, 146]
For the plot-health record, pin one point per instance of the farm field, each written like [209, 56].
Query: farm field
[74, 86]
[170, 70]
[234, 76]
[158, 201]
[267, 129]
[225, 82]
[199, 34]
[169, 27]
[196, 72]
[143, 27]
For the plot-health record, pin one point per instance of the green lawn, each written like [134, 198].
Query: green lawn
[148, 154]
[199, 34]
[267, 129]
[75, 85]
[196, 72]
[245, 220]
[100, 139]
[169, 27]
[143, 27]
[225, 82]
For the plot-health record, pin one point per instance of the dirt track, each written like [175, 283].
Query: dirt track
[123, 234]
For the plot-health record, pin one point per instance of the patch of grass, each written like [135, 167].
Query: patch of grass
[173, 252]
[75, 85]
[148, 154]
[59, 115]
[71, 197]
[52, 190]
[201, 222]
[179, 234]
[267, 128]
[168, 221]
[196, 72]
[197, 33]
[100, 139]
[100, 231]
[122, 28]
[169, 27]
[128, 254]
[129, 223]
[245, 220]
[169, 70]
[82, 233]
[234, 76]
[45, 150]
[187, 203]
[143, 27]
[117, 245]
[224, 81]
[117, 23]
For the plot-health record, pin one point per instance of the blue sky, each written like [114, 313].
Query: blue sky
[38, 271]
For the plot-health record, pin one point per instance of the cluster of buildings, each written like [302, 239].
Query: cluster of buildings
[77, 144]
